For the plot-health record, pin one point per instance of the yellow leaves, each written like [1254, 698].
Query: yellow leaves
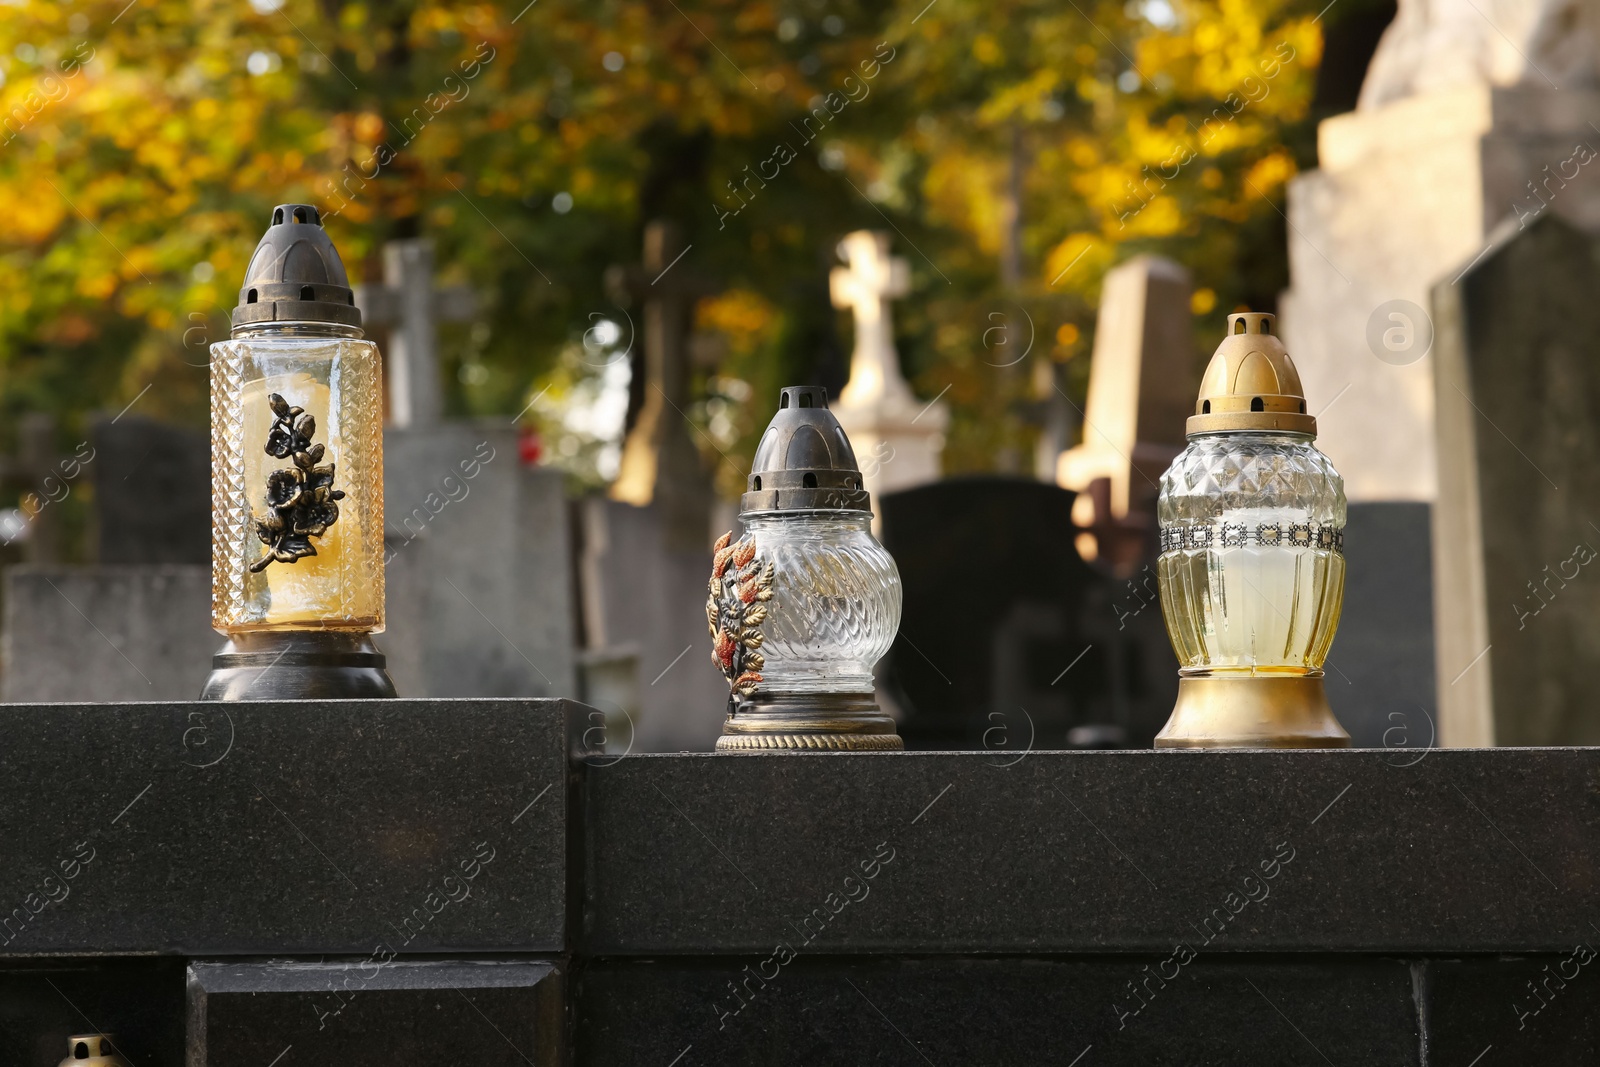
[1160, 217]
[1269, 172]
[1077, 261]
[744, 317]
[986, 50]
[1202, 301]
[98, 286]
[33, 218]
[368, 127]
[962, 188]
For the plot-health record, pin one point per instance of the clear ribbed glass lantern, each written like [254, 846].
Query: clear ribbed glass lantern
[297, 478]
[806, 602]
[1251, 570]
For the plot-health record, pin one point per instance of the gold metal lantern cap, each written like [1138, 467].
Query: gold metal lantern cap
[1251, 384]
[92, 1050]
[1251, 568]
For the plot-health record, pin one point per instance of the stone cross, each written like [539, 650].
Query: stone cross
[407, 303]
[872, 278]
[898, 439]
[660, 460]
[1142, 385]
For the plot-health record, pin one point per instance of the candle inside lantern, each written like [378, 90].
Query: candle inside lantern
[337, 382]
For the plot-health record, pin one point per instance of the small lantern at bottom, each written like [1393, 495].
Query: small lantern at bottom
[1252, 556]
[807, 601]
[92, 1050]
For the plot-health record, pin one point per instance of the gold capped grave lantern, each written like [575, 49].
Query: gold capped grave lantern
[1251, 569]
[92, 1050]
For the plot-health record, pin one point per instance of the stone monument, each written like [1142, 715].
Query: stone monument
[898, 439]
[1142, 385]
[1466, 117]
[1518, 401]
[410, 307]
[476, 549]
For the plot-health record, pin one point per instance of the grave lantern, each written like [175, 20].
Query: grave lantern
[92, 1050]
[806, 601]
[297, 479]
[1252, 566]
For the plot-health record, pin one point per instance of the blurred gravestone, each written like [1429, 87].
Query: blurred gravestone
[645, 629]
[1380, 672]
[108, 633]
[1007, 634]
[1142, 387]
[152, 492]
[138, 625]
[477, 565]
[1517, 596]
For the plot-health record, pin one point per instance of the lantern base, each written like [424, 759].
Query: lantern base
[298, 665]
[1252, 711]
[804, 722]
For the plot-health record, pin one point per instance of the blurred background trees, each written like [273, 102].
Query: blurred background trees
[1018, 147]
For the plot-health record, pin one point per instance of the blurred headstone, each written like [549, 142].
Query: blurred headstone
[478, 566]
[152, 486]
[661, 464]
[645, 629]
[1465, 119]
[408, 305]
[1380, 672]
[44, 479]
[111, 633]
[1142, 386]
[1516, 588]
[898, 439]
[1008, 639]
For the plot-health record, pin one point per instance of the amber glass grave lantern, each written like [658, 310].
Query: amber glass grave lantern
[807, 601]
[297, 479]
[1252, 556]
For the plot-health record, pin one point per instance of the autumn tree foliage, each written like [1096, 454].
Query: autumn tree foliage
[1019, 148]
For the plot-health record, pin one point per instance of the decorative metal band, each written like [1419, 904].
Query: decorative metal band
[1263, 534]
[844, 742]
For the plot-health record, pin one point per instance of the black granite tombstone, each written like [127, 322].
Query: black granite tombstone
[1380, 671]
[1008, 639]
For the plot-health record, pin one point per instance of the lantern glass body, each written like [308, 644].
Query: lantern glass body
[336, 377]
[1251, 569]
[836, 600]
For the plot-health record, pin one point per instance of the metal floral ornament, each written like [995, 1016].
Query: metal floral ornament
[740, 587]
[302, 497]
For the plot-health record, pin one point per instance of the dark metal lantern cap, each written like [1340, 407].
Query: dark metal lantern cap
[296, 275]
[804, 461]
